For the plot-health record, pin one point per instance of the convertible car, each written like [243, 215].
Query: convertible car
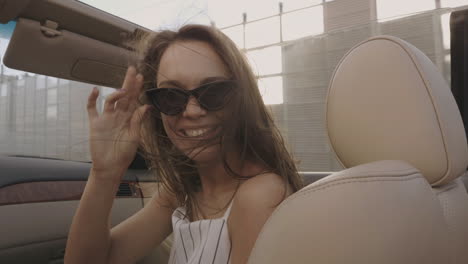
[391, 155]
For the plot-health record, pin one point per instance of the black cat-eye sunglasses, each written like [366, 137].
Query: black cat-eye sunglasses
[211, 96]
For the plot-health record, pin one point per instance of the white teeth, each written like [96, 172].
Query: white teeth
[196, 132]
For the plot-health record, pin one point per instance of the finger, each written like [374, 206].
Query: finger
[91, 107]
[135, 94]
[137, 117]
[129, 80]
[138, 84]
[136, 88]
[109, 105]
[132, 106]
[122, 104]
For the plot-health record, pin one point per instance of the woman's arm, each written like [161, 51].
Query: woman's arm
[135, 237]
[114, 137]
[255, 200]
[90, 239]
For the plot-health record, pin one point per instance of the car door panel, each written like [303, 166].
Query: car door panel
[39, 197]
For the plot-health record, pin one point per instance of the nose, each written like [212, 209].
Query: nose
[193, 109]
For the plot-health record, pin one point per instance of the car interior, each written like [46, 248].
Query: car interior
[392, 121]
[381, 209]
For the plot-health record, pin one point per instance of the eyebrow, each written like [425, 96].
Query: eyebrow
[202, 82]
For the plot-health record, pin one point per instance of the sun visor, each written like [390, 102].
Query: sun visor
[48, 50]
[10, 10]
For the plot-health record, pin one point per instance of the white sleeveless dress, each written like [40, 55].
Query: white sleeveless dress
[200, 242]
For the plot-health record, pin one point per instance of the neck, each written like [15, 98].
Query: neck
[215, 179]
[217, 182]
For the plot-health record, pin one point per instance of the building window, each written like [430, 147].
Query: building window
[271, 89]
[393, 9]
[268, 29]
[293, 23]
[266, 61]
[236, 34]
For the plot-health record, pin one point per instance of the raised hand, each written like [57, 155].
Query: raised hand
[115, 133]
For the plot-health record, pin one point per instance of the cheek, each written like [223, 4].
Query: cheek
[219, 116]
[168, 123]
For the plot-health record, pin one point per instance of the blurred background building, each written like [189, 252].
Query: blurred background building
[293, 47]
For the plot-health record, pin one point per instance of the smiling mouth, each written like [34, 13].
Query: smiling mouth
[197, 133]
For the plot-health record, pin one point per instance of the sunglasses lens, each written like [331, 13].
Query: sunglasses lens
[172, 101]
[169, 101]
[215, 96]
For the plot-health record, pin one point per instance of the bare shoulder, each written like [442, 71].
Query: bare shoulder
[257, 198]
[267, 189]
[255, 201]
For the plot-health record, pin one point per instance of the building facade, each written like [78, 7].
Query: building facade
[46, 117]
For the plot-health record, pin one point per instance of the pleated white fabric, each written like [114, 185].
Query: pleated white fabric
[200, 242]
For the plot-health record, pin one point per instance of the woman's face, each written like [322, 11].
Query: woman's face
[188, 65]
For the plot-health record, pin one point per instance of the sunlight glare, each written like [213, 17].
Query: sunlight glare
[392, 9]
[271, 89]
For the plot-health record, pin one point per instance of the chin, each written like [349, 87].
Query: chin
[205, 154]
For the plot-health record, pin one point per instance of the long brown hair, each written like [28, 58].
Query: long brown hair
[249, 129]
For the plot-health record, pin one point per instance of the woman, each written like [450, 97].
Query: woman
[211, 141]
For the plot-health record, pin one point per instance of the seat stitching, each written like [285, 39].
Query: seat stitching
[411, 171]
[308, 191]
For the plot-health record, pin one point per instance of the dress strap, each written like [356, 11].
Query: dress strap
[228, 210]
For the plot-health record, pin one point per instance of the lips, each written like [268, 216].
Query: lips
[197, 132]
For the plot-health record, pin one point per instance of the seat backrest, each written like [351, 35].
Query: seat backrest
[383, 212]
[392, 120]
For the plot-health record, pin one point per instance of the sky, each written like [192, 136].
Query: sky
[155, 14]
[5, 33]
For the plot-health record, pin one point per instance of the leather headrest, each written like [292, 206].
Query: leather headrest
[388, 101]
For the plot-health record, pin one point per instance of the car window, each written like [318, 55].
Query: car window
[293, 46]
[42, 116]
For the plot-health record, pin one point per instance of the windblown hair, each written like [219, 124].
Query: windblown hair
[247, 128]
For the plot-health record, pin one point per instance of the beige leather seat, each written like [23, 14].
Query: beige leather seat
[393, 121]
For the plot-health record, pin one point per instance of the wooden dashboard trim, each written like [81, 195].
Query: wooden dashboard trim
[50, 191]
